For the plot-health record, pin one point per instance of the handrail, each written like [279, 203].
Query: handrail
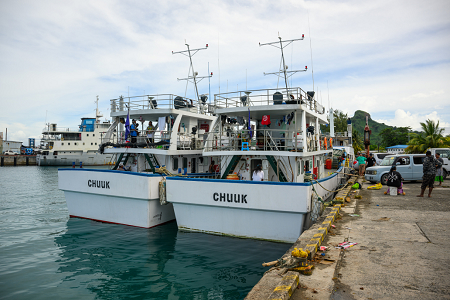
[267, 97]
[159, 101]
[261, 140]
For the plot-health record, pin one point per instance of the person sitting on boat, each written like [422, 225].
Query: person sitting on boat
[134, 131]
[395, 180]
[150, 132]
[121, 168]
[258, 174]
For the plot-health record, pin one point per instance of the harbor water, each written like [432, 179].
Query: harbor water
[47, 255]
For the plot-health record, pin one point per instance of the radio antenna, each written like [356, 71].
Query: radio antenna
[194, 78]
[284, 70]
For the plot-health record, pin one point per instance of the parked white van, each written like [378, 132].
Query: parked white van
[410, 166]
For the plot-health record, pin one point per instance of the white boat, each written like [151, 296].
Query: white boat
[133, 197]
[61, 146]
[278, 129]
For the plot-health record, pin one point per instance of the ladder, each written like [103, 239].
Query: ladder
[231, 166]
[273, 163]
[152, 161]
[119, 160]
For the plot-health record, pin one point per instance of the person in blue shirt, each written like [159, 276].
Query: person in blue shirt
[133, 133]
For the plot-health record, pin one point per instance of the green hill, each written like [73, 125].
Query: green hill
[359, 122]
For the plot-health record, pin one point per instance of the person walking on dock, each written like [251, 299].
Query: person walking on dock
[429, 173]
[362, 164]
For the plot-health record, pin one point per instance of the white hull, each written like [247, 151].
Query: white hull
[266, 210]
[114, 196]
[88, 159]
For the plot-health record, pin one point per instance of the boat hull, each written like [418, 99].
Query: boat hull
[114, 196]
[88, 159]
[260, 210]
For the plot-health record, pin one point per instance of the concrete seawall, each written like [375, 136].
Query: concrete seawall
[17, 160]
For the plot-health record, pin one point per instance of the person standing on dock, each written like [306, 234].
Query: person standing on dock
[429, 173]
[439, 171]
[371, 161]
[362, 164]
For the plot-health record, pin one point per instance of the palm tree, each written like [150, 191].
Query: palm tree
[431, 137]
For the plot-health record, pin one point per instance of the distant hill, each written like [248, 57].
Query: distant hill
[359, 122]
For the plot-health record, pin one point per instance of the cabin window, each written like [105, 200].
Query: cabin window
[93, 134]
[87, 134]
[96, 144]
[75, 144]
[92, 144]
[185, 162]
[175, 163]
[68, 144]
[62, 144]
[83, 144]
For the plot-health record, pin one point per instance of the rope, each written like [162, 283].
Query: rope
[163, 170]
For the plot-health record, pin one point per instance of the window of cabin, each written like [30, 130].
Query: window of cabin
[175, 163]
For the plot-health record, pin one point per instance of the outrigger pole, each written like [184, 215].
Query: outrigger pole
[284, 70]
[194, 77]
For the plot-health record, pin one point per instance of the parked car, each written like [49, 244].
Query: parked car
[410, 166]
[9, 152]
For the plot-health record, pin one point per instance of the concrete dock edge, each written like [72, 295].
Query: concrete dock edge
[278, 282]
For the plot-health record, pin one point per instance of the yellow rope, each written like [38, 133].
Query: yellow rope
[163, 170]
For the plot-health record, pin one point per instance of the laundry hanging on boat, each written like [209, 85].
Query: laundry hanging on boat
[162, 123]
[265, 120]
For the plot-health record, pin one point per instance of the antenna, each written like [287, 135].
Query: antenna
[328, 96]
[285, 67]
[310, 47]
[194, 77]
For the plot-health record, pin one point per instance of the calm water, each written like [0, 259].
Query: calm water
[44, 254]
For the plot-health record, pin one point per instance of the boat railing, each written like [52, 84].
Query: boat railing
[57, 130]
[256, 140]
[160, 101]
[278, 96]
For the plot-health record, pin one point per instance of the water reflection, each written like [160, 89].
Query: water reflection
[115, 261]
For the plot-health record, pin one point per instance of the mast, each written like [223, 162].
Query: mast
[97, 112]
[194, 77]
[284, 70]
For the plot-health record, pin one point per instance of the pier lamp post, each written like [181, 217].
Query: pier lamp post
[367, 133]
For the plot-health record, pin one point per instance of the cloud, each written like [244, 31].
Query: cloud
[379, 56]
[405, 118]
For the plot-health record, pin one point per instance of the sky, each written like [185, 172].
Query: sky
[388, 58]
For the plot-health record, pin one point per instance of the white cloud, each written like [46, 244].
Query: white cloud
[405, 118]
[378, 56]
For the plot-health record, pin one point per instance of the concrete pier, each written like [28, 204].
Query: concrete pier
[402, 251]
[17, 160]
